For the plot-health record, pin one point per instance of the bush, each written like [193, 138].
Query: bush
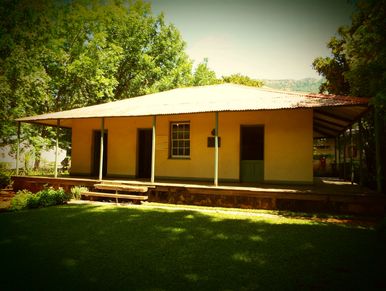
[44, 198]
[5, 179]
[21, 200]
[76, 192]
[33, 201]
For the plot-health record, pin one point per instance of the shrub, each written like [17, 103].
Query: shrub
[21, 200]
[51, 196]
[76, 192]
[60, 196]
[33, 201]
[5, 179]
[47, 197]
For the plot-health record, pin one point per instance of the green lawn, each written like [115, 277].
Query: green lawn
[145, 248]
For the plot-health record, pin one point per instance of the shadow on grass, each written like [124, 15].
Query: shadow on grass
[94, 247]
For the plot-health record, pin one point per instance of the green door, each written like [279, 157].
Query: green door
[252, 153]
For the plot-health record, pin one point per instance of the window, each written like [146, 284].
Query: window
[180, 140]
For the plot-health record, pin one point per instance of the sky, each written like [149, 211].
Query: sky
[263, 39]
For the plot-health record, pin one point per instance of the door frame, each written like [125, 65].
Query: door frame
[240, 146]
[95, 161]
[138, 149]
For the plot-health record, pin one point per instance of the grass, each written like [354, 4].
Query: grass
[145, 248]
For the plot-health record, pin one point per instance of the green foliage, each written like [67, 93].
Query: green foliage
[20, 201]
[332, 69]
[357, 67]
[5, 178]
[76, 192]
[303, 85]
[58, 55]
[242, 80]
[204, 76]
[33, 201]
[358, 62]
[44, 198]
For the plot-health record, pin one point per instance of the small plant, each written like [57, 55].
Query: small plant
[33, 201]
[5, 179]
[21, 200]
[44, 198]
[76, 192]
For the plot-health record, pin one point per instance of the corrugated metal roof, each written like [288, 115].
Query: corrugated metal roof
[224, 97]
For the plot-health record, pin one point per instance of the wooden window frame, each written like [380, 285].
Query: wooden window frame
[178, 140]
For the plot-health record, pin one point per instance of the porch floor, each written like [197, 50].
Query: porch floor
[325, 194]
[321, 185]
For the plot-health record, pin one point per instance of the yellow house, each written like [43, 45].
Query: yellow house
[224, 132]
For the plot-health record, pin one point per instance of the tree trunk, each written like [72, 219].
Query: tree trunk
[37, 160]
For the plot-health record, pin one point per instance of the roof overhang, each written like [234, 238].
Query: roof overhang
[332, 113]
[331, 121]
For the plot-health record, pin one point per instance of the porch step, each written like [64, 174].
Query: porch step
[112, 195]
[121, 187]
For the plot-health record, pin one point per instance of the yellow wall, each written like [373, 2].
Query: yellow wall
[287, 156]
[81, 145]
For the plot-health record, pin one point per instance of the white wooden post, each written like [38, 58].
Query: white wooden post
[153, 150]
[101, 149]
[18, 149]
[56, 148]
[216, 150]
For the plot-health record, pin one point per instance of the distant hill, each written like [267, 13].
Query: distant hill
[302, 85]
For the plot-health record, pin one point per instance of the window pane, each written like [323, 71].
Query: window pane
[180, 139]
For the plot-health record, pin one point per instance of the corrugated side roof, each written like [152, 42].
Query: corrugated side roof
[223, 97]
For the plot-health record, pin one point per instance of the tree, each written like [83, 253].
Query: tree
[333, 69]
[358, 62]
[203, 75]
[358, 68]
[57, 55]
[242, 80]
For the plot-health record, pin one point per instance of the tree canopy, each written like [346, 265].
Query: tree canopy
[357, 67]
[358, 62]
[204, 75]
[242, 80]
[57, 55]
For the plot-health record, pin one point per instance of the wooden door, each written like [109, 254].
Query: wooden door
[252, 153]
[144, 153]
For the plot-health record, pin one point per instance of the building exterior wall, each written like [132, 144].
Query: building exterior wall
[81, 145]
[287, 153]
